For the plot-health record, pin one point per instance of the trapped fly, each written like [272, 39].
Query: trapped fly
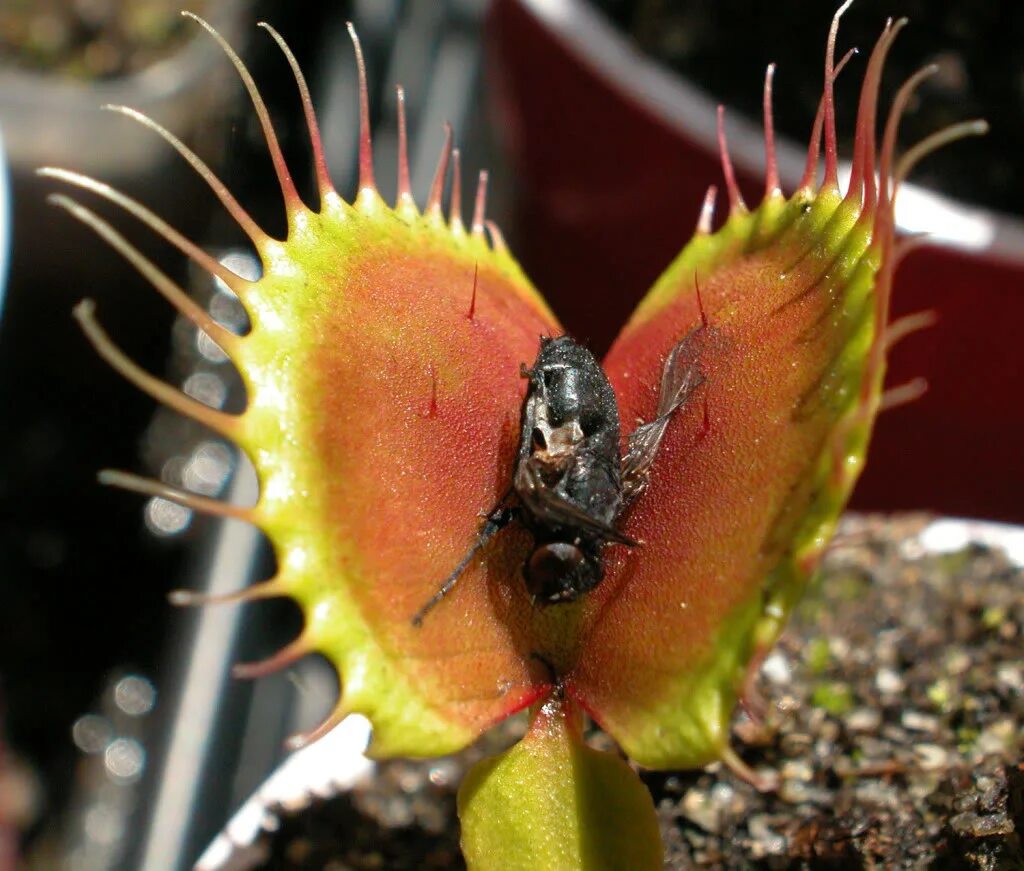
[570, 484]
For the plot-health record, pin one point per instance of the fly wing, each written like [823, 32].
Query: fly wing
[680, 376]
[548, 506]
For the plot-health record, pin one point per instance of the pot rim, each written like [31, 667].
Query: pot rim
[50, 119]
[177, 71]
[691, 111]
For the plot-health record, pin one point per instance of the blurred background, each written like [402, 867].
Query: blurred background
[597, 121]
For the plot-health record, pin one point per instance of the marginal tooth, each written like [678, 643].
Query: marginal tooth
[287, 655]
[255, 233]
[323, 177]
[220, 422]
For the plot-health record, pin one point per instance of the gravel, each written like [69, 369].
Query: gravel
[904, 747]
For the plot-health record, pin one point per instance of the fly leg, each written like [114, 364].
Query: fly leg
[497, 520]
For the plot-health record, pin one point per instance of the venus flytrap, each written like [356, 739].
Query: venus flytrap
[384, 398]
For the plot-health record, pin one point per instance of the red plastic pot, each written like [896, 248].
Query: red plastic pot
[612, 154]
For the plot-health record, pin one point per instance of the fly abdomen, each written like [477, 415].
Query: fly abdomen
[560, 572]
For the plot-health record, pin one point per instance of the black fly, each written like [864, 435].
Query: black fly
[570, 484]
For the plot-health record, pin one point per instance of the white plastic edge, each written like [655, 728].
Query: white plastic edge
[332, 765]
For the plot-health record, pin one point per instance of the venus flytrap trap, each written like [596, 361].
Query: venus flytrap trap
[385, 398]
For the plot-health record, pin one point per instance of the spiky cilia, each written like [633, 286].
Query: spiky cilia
[383, 397]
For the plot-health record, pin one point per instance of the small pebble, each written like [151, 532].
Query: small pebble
[888, 682]
[776, 668]
[795, 744]
[919, 722]
[979, 826]
[824, 750]
[397, 812]
[830, 731]
[408, 778]
[921, 785]
[839, 647]
[996, 738]
[877, 792]
[1011, 676]
[444, 772]
[931, 757]
[957, 661]
[864, 720]
[797, 769]
[966, 801]
[721, 795]
[872, 748]
[992, 797]
[800, 792]
[894, 734]
[984, 783]
[766, 841]
[697, 808]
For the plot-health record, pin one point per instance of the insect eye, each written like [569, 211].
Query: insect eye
[538, 439]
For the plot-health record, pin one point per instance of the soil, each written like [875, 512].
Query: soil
[724, 46]
[895, 708]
